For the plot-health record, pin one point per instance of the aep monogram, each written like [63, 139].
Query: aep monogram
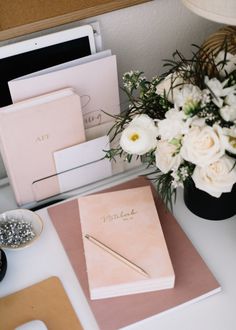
[42, 138]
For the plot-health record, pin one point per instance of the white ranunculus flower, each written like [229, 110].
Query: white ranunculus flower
[144, 121]
[216, 178]
[167, 157]
[188, 98]
[169, 86]
[218, 89]
[202, 145]
[174, 125]
[140, 136]
[229, 60]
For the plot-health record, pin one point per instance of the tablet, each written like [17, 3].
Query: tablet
[42, 52]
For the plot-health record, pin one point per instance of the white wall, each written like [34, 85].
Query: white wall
[142, 36]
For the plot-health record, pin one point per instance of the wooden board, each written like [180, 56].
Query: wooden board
[19, 17]
[46, 301]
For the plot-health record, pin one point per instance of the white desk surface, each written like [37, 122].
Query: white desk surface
[214, 240]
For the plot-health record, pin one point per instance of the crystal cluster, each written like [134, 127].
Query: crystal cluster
[15, 232]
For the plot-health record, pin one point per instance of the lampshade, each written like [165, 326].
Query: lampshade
[222, 11]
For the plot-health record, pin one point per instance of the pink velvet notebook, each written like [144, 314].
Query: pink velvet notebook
[30, 131]
[193, 279]
[125, 249]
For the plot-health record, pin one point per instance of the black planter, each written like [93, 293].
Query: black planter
[208, 207]
[3, 264]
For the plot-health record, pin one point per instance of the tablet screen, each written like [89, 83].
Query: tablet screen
[24, 63]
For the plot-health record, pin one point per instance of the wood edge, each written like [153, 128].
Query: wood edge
[66, 18]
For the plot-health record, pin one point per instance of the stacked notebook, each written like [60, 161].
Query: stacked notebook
[125, 249]
[193, 279]
[30, 131]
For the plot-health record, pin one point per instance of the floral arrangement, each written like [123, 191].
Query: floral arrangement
[183, 123]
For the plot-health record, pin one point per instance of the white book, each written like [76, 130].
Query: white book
[70, 64]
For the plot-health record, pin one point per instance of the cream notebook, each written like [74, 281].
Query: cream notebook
[125, 249]
[30, 131]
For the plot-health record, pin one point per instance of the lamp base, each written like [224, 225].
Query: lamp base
[226, 35]
[222, 40]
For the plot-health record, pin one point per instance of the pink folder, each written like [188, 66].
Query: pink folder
[194, 280]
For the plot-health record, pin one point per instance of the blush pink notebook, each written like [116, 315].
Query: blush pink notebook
[193, 279]
[30, 131]
[125, 249]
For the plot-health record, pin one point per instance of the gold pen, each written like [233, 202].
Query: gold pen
[117, 255]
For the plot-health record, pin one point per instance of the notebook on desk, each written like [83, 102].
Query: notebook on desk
[124, 245]
[194, 280]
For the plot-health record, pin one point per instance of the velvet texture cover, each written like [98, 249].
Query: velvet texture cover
[127, 222]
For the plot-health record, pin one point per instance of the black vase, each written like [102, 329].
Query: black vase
[3, 264]
[208, 207]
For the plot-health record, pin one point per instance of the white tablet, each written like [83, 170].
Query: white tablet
[42, 52]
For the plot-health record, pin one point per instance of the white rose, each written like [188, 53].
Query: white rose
[139, 136]
[167, 157]
[196, 121]
[174, 125]
[169, 86]
[202, 145]
[216, 178]
[229, 131]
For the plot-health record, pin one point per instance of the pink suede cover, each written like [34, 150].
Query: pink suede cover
[126, 221]
[31, 134]
[193, 277]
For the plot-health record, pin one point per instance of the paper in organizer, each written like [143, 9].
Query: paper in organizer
[95, 81]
